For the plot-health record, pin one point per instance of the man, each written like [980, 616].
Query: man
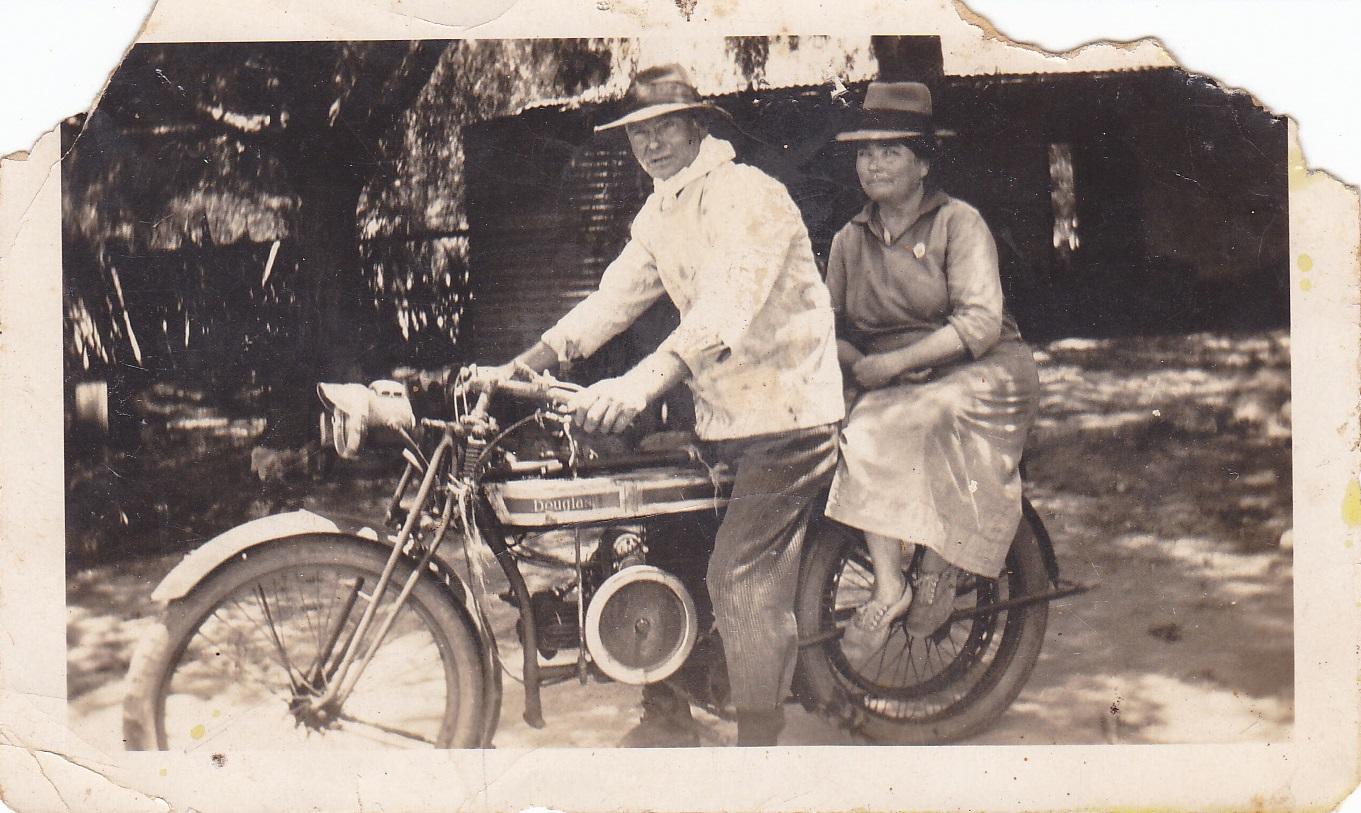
[756, 346]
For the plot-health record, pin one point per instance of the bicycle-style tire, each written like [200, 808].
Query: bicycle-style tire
[220, 666]
[961, 689]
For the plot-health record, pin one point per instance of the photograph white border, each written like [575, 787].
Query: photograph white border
[1315, 770]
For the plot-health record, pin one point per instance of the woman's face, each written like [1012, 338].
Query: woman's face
[890, 172]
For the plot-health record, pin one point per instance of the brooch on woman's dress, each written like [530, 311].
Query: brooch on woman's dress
[919, 250]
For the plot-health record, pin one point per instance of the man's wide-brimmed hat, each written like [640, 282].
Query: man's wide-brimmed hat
[657, 92]
[894, 110]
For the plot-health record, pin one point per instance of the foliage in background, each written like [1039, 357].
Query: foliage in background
[349, 157]
[197, 152]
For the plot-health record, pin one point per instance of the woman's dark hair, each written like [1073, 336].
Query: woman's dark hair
[925, 147]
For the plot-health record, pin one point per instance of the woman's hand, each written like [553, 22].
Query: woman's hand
[847, 354]
[876, 370]
[914, 376]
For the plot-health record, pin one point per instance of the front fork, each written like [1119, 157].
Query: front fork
[345, 672]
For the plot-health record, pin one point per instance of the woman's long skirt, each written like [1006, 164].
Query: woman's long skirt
[936, 463]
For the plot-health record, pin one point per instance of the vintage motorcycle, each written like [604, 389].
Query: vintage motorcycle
[299, 629]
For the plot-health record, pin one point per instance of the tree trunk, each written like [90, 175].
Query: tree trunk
[329, 150]
[332, 339]
[910, 59]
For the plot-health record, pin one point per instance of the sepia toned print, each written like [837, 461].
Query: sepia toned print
[462, 413]
[410, 215]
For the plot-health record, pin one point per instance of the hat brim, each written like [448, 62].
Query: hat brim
[653, 111]
[889, 135]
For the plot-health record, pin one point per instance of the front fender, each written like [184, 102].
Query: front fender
[201, 562]
[206, 558]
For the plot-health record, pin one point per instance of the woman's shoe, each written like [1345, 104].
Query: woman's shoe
[933, 601]
[870, 627]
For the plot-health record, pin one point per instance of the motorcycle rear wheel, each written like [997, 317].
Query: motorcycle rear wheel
[944, 688]
[227, 665]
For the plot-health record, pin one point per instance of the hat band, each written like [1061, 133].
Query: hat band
[662, 93]
[896, 120]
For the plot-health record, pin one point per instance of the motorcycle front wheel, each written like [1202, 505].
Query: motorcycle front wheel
[234, 663]
[942, 688]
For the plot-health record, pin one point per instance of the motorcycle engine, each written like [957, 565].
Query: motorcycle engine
[555, 613]
[640, 621]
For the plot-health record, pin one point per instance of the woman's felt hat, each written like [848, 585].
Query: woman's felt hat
[658, 91]
[894, 110]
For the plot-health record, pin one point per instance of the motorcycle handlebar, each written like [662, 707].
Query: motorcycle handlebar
[555, 393]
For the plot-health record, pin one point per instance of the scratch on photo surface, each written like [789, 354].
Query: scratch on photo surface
[19, 224]
[37, 754]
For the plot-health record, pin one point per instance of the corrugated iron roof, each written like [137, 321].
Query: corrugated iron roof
[807, 64]
[605, 95]
[1017, 78]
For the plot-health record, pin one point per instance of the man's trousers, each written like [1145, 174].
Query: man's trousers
[754, 570]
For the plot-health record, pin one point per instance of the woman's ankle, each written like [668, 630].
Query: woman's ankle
[932, 562]
[889, 589]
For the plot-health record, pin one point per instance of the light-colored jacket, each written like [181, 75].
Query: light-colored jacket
[728, 245]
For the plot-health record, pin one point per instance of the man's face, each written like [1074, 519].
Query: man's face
[667, 144]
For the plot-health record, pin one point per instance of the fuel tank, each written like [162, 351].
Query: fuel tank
[552, 501]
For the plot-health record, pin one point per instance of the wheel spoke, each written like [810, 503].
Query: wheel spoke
[274, 635]
[390, 730]
[921, 677]
[262, 680]
[236, 680]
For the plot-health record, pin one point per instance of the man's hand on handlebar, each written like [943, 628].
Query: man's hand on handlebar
[609, 405]
[537, 359]
[612, 404]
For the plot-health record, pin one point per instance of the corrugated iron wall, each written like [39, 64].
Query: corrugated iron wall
[550, 204]
[549, 208]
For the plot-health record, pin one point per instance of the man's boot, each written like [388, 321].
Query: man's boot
[666, 721]
[759, 728]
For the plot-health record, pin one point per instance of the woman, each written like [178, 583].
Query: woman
[947, 388]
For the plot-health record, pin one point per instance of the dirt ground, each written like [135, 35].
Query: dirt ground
[1161, 467]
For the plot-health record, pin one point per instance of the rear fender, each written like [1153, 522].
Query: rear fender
[1051, 560]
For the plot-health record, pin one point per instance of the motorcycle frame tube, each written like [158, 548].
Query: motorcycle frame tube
[494, 535]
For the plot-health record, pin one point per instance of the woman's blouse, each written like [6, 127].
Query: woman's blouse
[941, 270]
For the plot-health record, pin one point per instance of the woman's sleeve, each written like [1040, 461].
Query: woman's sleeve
[973, 279]
[836, 282]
